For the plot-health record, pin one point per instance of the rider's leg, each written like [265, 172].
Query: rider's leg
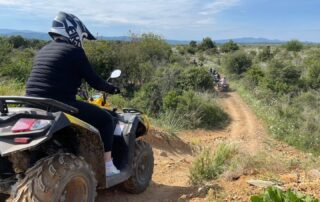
[103, 121]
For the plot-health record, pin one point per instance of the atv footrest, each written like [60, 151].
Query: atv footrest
[117, 179]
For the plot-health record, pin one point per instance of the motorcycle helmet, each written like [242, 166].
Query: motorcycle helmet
[70, 27]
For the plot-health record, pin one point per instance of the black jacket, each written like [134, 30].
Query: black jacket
[57, 71]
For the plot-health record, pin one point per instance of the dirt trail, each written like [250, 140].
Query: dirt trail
[245, 127]
[173, 157]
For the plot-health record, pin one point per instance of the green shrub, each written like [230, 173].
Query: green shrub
[294, 45]
[191, 50]
[208, 45]
[11, 88]
[230, 46]
[208, 165]
[154, 48]
[118, 101]
[312, 76]
[253, 77]
[237, 62]
[193, 44]
[170, 100]
[273, 194]
[198, 111]
[265, 54]
[5, 50]
[18, 41]
[195, 79]
[282, 78]
[148, 99]
[19, 66]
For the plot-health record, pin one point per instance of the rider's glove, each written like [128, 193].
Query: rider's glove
[112, 89]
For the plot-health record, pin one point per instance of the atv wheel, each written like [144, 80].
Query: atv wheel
[142, 168]
[58, 178]
[4, 197]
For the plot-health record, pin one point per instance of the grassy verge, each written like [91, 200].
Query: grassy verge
[274, 195]
[11, 87]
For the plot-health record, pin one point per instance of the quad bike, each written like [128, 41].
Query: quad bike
[223, 87]
[47, 154]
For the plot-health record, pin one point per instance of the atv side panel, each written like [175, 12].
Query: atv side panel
[129, 135]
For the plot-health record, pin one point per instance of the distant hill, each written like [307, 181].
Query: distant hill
[251, 40]
[44, 36]
[25, 33]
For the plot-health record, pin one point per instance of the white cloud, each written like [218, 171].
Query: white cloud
[163, 14]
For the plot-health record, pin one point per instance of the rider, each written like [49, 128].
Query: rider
[57, 72]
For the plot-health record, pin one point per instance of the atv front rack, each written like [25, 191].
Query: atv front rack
[44, 103]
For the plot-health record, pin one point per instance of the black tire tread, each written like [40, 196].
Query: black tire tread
[132, 185]
[41, 180]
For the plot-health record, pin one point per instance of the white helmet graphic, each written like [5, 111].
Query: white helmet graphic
[71, 27]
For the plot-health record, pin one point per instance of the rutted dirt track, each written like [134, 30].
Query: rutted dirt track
[173, 157]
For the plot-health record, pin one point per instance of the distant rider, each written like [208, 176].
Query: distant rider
[57, 72]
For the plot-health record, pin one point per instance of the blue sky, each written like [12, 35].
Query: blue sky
[174, 19]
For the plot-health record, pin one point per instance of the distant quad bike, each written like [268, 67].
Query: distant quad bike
[49, 155]
[223, 87]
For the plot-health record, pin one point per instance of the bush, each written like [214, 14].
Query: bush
[148, 99]
[11, 88]
[294, 45]
[118, 101]
[208, 45]
[195, 79]
[230, 46]
[198, 111]
[237, 62]
[273, 194]
[154, 48]
[265, 54]
[253, 77]
[18, 41]
[193, 44]
[191, 50]
[282, 78]
[208, 165]
[312, 76]
[5, 50]
[19, 67]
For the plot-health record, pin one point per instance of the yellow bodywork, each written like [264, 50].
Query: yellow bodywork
[81, 123]
[101, 102]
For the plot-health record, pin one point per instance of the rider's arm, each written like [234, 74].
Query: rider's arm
[89, 74]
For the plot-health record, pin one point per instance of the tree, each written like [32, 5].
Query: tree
[207, 44]
[230, 46]
[154, 47]
[18, 41]
[192, 48]
[294, 45]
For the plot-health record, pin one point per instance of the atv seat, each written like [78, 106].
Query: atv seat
[44, 103]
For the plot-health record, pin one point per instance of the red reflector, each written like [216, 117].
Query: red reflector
[23, 125]
[22, 140]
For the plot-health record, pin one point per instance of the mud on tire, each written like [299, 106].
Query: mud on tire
[142, 168]
[62, 177]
